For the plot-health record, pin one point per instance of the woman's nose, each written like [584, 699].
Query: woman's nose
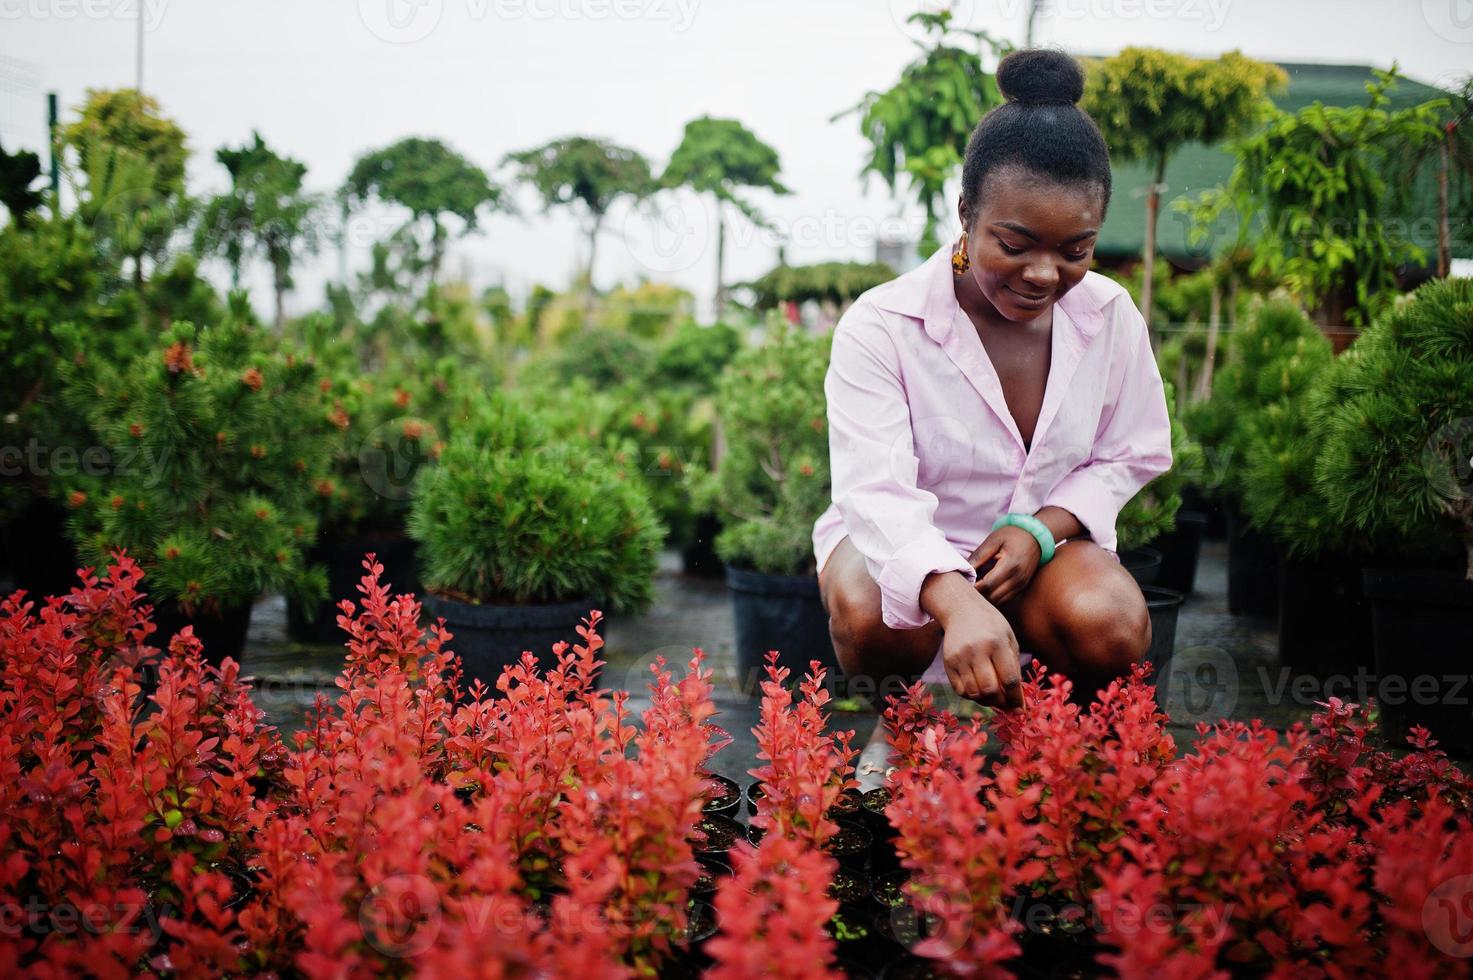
[1041, 276]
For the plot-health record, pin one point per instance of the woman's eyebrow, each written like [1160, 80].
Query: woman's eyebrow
[1014, 226]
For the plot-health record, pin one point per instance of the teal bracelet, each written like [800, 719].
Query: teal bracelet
[1034, 527]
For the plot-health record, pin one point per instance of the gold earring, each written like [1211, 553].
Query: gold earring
[960, 261]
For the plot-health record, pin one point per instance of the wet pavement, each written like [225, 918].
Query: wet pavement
[1225, 666]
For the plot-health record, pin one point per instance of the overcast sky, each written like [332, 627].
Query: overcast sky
[324, 80]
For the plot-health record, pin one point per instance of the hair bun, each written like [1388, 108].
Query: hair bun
[1040, 75]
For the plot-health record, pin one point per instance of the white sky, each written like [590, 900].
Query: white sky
[324, 80]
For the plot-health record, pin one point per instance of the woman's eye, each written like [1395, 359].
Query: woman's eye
[1009, 249]
[1077, 256]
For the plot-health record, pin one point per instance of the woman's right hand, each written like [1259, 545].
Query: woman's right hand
[980, 654]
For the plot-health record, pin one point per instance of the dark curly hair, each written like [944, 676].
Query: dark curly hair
[1040, 128]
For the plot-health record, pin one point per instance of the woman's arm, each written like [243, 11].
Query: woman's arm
[1132, 446]
[874, 467]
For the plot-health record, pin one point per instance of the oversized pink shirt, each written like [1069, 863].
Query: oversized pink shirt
[925, 454]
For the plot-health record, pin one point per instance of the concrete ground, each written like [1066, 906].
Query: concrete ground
[1225, 666]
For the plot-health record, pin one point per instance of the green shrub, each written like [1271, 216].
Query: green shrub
[216, 455]
[1397, 440]
[1152, 512]
[1273, 359]
[694, 356]
[604, 357]
[772, 482]
[500, 520]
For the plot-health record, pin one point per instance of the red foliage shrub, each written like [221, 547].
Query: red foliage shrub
[773, 910]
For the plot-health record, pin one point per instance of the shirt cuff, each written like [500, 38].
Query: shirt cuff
[902, 576]
[1088, 499]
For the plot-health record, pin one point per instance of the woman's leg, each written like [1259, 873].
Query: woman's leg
[1082, 615]
[877, 660]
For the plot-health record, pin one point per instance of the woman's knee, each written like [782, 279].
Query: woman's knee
[866, 647]
[1107, 629]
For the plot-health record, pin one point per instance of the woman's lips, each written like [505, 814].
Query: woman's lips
[1029, 301]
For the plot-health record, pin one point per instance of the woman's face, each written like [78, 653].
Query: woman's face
[1031, 240]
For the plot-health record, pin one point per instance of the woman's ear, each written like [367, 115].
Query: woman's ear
[961, 213]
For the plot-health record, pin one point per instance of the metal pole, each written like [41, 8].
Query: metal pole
[139, 74]
[52, 113]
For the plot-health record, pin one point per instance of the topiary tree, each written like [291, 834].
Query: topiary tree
[1150, 103]
[920, 126]
[214, 454]
[587, 175]
[429, 180]
[131, 161]
[1315, 185]
[1273, 359]
[265, 214]
[18, 171]
[1396, 458]
[772, 482]
[507, 517]
[720, 157]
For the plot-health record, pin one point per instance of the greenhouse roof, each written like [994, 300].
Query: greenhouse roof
[1197, 167]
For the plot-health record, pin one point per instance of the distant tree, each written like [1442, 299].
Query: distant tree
[1150, 103]
[130, 160]
[431, 181]
[588, 175]
[718, 157]
[1315, 188]
[1453, 151]
[18, 171]
[920, 126]
[266, 213]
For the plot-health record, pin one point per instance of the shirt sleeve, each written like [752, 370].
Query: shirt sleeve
[1132, 446]
[874, 469]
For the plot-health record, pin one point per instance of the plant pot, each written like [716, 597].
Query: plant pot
[1164, 605]
[1253, 569]
[1180, 550]
[394, 550]
[1324, 616]
[1193, 499]
[223, 632]
[755, 795]
[712, 871]
[42, 558]
[850, 846]
[699, 557]
[1421, 621]
[872, 811]
[723, 798]
[720, 834]
[782, 613]
[1144, 564]
[489, 637]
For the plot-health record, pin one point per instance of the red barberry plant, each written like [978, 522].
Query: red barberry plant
[969, 844]
[807, 768]
[772, 910]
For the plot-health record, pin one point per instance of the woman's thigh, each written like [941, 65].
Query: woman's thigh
[1083, 613]
[864, 644]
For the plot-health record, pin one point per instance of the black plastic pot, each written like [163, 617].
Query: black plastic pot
[723, 798]
[1193, 499]
[1324, 616]
[782, 613]
[851, 845]
[1144, 564]
[1180, 550]
[872, 812]
[1164, 605]
[41, 557]
[223, 632]
[344, 560]
[718, 835]
[699, 556]
[489, 638]
[1253, 569]
[1422, 630]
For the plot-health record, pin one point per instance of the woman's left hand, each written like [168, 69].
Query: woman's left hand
[1005, 563]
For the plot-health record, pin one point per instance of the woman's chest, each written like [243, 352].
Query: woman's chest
[1021, 362]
